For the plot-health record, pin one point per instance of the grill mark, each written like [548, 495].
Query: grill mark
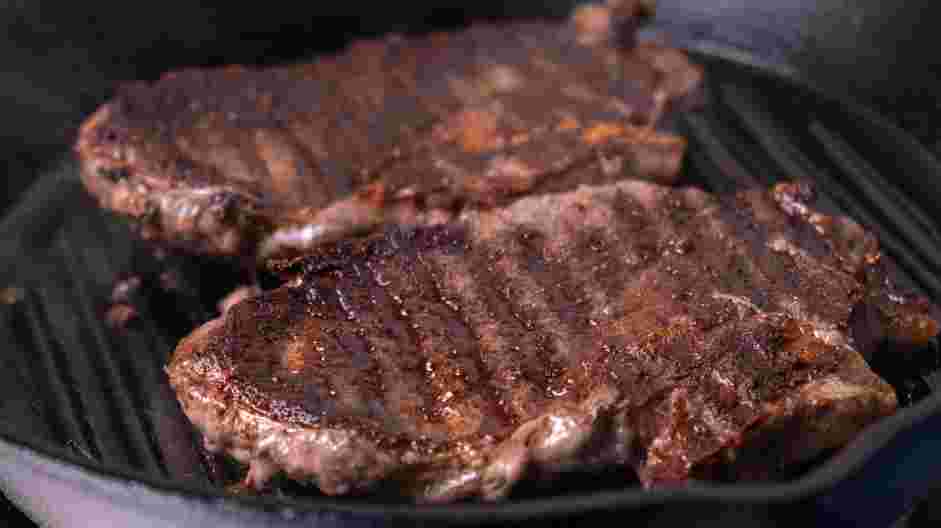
[446, 366]
[497, 46]
[589, 242]
[549, 316]
[365, 58]
[814, 270]
[411, 116]
[634, 251]
[584, 274]
[780, 284]
[529, 43]
[564, 278]
[528, 342]
[412, 307]
[460, 333]
[573, 74]
[394, 124]
[355, 341]
[620, 253]
[404, 73]
[333, 182]
[315, 383]
[629, 220]
[361, 113]
[747, 248]
[317, 190]
[684, 270]
[432, 90]
[525, 294]
[347, 132]
[284, 162]
[548, 277]
[659, 227]
[319, 392]
[335, 171]
[253, 365]
[401, 360]
[365, 93]
[579, 92]
[529, 111]
[782, 270]
[459, 283]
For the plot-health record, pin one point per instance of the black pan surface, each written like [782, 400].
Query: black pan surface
[86, 409]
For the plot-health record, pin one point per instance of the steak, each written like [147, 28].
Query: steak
[676, 333]
[241, 161]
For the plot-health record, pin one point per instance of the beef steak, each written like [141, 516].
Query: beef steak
[236, 160]
[666, 330]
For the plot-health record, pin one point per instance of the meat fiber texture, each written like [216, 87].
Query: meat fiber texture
[675, 333]
[251, 162]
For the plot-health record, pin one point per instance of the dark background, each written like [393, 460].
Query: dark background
[62, 59]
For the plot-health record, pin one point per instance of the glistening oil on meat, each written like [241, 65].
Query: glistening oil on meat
[562, 330]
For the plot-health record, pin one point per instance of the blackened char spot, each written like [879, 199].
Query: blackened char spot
[228, 204]
[184, 167]
[109, 135]
[114, 174]
[532, 242]
[312, 402]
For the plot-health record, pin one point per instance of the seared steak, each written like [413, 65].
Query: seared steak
[221, 161]
[667, 330]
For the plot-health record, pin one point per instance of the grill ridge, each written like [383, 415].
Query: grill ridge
[708, 150]
[754, 122]
[117, 393]
[743, 145]
[178, 452]
[17, 373]
[65, 407]
[39, 213]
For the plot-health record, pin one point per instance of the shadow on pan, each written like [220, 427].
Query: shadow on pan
[87, 418]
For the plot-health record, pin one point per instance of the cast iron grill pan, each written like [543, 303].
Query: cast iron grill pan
[85, 398]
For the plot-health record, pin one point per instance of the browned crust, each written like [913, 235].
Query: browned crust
[224, 161]
[675, 383]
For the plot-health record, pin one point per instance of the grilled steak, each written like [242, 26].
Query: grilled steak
[666, 330]
[222, 161]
